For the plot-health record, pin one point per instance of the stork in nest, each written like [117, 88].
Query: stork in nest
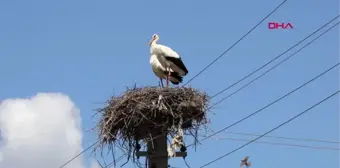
[166, 63]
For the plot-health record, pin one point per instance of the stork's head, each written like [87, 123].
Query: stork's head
[154, 39]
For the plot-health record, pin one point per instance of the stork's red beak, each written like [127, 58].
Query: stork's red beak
[151, 41]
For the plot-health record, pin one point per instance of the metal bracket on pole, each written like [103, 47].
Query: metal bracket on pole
[155, 154]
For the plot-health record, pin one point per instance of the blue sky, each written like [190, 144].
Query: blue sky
[89, 50]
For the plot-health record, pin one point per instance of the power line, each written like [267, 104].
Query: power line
[232, 47]
[210, 63]
[272, 69]
[281, 61]
[220, 57]
[115, 161]
[220, 101]
[275, 66]
[283, 144]
[281, 137]
[264, 65]
[205, 68]
[265, 72]
[86, 149]
[273, 102]
[287, 138]
[286, 122]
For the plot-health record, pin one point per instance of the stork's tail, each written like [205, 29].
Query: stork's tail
[175, 78]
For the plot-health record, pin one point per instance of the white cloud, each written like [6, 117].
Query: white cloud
[40, 132]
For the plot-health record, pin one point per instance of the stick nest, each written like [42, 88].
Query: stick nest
[134, 115]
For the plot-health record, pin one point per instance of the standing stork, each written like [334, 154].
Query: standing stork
[162, 73]
[168, 58]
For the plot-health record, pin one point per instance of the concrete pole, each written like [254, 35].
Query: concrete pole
[158, 154]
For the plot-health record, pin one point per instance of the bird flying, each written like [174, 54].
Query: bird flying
[245, 162]
[168, 58]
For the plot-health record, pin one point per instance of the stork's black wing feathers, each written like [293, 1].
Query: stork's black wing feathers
[178, 62]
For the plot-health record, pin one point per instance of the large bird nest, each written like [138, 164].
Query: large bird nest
[132, 116]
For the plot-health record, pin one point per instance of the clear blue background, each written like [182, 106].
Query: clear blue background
[92, 49]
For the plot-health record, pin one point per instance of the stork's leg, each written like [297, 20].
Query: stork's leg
[161, 81]
[167, 79]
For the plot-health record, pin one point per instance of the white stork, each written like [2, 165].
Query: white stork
[162, 73]
[168, 58]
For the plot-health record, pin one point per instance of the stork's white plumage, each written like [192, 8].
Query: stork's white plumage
[161, 72]
[168, 58]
